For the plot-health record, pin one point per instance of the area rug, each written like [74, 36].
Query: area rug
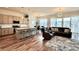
[58, 43]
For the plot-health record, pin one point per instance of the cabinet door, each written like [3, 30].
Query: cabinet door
[6, 31]
[0, 32]
[21, 21]
[3, 31]
[25, 21]
[0, 19]
[19, 18]
[10, 19]
[16, 18]
[10, 30]
[5, 20]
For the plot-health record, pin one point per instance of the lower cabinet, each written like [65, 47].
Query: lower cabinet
[3, 32]
[6, 31]
[0, 32]
[10, 31]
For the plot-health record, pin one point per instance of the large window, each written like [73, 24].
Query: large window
[43, 22]
[66, 22]
[69, 22]
[75, 27]
[56, 22]
[59, 22]
[75, 24]
[53, 22]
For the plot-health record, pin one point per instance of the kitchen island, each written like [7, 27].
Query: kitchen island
[24, 32]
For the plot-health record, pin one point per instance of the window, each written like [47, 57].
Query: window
[53, 22]
[66, 22]
[43, 22]
[75, 24]
[56, 22]
[59, 22]
[69, 22]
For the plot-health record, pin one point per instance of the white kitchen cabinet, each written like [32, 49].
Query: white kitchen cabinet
[5, 19]
[3, 32]
[11, 18]
[1, 19]
[0, 32]
[10, 31]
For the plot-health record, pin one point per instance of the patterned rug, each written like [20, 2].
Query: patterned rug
[58, 43]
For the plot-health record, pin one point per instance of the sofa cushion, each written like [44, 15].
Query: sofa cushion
[61, 29]
[53, 29]
[66, 30]
[56, 29]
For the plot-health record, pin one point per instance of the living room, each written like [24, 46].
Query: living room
[39, 28]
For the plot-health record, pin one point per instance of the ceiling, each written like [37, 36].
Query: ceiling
[41, 11]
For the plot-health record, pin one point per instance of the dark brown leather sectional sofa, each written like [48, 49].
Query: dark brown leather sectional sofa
[56, 31]
[62, 31]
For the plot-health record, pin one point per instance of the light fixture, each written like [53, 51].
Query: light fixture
[60, 12]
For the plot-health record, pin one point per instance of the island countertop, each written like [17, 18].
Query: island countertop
[21, 28]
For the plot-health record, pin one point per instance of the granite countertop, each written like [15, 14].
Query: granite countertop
[24, 28]
[58, 43]
[20, 28]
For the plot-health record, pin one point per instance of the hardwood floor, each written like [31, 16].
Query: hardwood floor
[33, 43]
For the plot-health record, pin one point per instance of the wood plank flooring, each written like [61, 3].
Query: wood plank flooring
[32, 43]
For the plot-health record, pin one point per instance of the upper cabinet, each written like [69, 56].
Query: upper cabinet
[11, 18]
[8, 19]
[5, 19]
[15, 18]
[22, 21]
[1, 19]
[25, 21]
